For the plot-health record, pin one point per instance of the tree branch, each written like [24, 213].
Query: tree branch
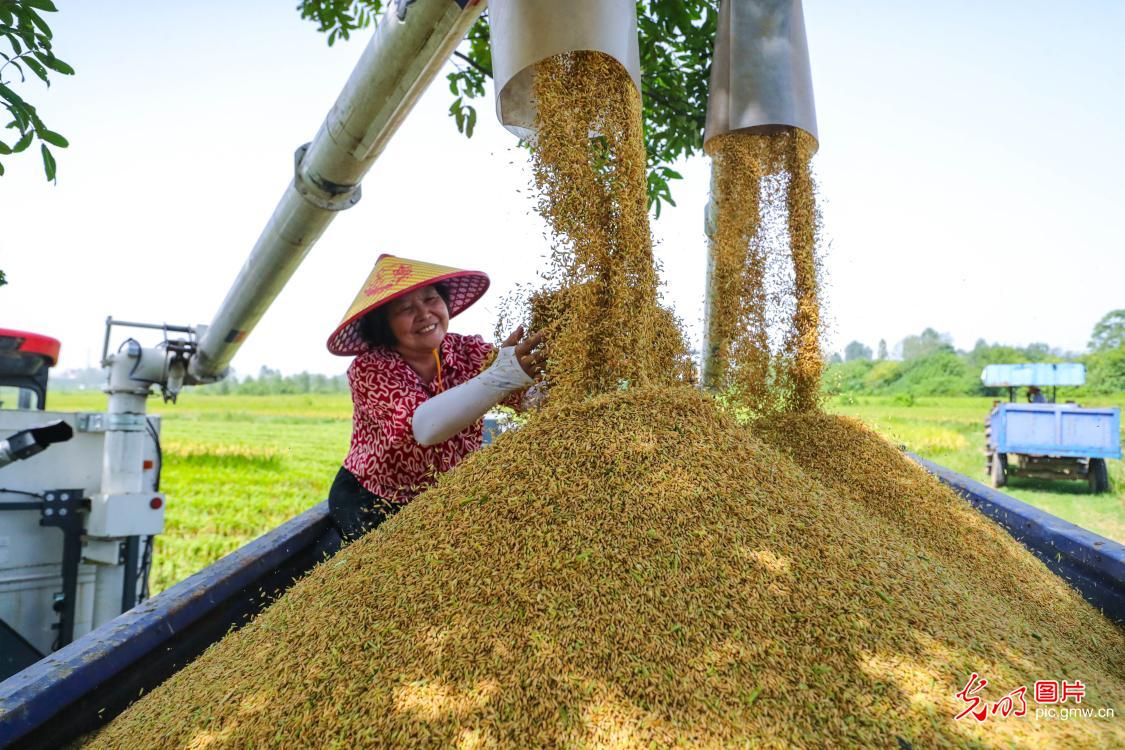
[473, 63]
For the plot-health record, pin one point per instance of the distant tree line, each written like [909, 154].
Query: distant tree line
[928, 365]
[269, 382]
[272, 382]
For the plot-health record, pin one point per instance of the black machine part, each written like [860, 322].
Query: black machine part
[15, 652]
[29, 442]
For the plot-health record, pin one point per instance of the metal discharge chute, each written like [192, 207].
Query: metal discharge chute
[761, 82]
[760, 74]
[526, 32]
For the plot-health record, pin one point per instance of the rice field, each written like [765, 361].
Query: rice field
[236, 466]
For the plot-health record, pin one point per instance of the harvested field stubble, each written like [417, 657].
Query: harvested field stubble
[764, 329]
[668, 580]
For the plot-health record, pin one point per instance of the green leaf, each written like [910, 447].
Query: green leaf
[19, 121]
[5, 148]
[48, 162]
[470, 121]
[35, 19]
[46, 5]
[54, 138]
[38, 69]
[458, 115]
[54, 63]
[23, 143]
[1, 272]
[11, 96]
[15, 42]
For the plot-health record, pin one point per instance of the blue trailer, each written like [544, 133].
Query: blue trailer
[82, 686]
[1046, 440]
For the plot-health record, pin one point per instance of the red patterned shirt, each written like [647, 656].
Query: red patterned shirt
[384, 456]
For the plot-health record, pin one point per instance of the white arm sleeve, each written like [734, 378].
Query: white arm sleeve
[443, 416]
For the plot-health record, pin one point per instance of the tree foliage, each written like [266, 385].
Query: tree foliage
[926, 343]
[856, 350]
[935, 369]
[27, 52]
[675, 49]
[1109, 332]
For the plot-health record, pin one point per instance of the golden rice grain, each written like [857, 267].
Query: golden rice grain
[764, 327]
[599, 299]
[638, 570]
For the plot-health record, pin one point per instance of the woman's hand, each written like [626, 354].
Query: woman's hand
[529, 352]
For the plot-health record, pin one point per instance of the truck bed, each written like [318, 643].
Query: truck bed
[1064, 430]
[80, 687]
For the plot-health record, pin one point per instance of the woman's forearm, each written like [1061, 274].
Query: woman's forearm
[443, 416]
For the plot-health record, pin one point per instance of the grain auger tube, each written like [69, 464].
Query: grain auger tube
[761, 83]
[408, 49]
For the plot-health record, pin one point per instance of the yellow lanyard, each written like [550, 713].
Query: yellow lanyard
[437, 359]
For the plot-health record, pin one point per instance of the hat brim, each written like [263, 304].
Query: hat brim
[464, 287]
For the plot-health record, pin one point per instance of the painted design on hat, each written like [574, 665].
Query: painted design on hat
[393, 277]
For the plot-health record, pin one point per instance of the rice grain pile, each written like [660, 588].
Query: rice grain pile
[764, 329]
[639, 570]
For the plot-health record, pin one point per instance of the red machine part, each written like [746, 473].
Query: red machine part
[30, 343]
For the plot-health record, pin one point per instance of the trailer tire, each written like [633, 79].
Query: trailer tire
[999, 470]
[1098, 476]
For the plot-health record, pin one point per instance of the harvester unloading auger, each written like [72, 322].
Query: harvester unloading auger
[101, 488]
[83, 685]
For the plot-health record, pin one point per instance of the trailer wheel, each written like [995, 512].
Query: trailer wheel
[1098, 476]
[999, 469]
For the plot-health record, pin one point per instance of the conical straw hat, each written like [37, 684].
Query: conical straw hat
[393, 277]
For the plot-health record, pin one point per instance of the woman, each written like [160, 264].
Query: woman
[418, 391]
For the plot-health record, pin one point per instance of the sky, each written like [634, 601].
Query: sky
[969, 168]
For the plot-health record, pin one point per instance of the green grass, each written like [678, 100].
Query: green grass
[950, 431]
[237, 466]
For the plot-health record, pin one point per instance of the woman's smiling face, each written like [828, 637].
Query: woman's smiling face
[418, 320]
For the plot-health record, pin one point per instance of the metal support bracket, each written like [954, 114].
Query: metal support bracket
[62, 510]
[322, 193]
[91, 422]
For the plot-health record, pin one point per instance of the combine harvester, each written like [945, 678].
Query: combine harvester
[74, 594]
